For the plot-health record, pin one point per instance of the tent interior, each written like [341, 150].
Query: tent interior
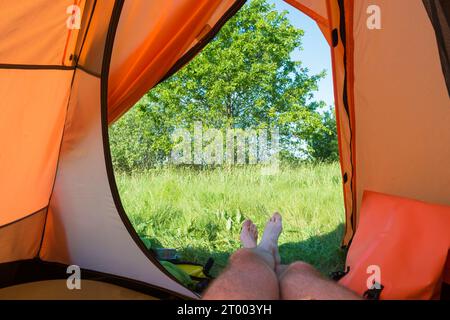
[57, 290]
[95, 58]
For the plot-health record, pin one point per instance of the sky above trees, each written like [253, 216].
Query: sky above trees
[316, 52]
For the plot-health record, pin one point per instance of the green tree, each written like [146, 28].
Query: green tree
[323, 144]
[138, 141]
[245, 78]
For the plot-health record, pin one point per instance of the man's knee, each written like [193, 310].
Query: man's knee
[299, 269]
[297, 281]
[242, 255]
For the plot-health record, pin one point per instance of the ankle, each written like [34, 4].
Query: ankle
[266, 256]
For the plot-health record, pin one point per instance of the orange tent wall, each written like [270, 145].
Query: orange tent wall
[34, 89]
[59, 199]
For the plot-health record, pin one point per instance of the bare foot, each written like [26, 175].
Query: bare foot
[269, 241]
[249, 234]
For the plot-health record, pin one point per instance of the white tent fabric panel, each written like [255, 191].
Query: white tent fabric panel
[84, 226]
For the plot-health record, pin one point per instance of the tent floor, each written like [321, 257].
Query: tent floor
[57, 290]
[37, 279]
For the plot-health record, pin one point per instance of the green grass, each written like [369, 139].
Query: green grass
[200, 212]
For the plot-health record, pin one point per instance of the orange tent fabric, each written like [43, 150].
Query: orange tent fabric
[400, 244]
[173, 33]
[85, 62]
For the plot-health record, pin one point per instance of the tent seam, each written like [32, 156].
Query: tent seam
[23, 218]
[36, 66]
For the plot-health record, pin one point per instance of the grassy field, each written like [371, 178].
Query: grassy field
[200, 212]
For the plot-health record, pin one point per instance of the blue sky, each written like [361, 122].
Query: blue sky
[316, 51]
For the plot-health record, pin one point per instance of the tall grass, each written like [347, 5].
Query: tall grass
[200, 212]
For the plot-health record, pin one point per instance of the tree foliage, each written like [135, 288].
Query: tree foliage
[245, 78]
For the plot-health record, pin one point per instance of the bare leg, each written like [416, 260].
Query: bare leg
[300, 281]
[250, 274]
[255, 272]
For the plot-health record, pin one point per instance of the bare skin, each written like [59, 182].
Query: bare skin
[255, 272]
